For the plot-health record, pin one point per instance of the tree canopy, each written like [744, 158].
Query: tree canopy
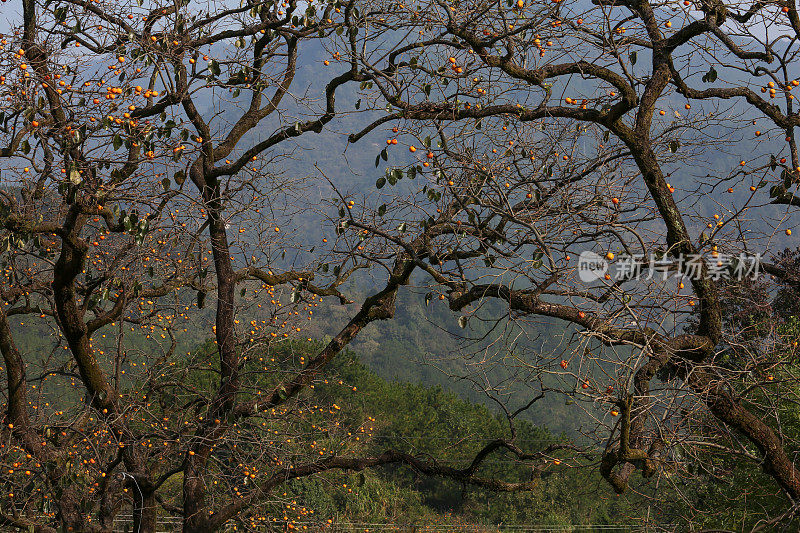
[593, 201]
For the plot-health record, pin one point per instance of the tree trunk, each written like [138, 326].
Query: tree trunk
[145, 511]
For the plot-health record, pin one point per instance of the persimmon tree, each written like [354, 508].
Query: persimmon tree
[543, 130]
[103, 233]
[140, 188]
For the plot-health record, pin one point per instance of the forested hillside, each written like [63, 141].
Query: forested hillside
[429, 421]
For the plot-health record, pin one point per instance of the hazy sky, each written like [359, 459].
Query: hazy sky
[10, 12]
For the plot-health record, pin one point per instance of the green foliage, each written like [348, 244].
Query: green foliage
[431, 421]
